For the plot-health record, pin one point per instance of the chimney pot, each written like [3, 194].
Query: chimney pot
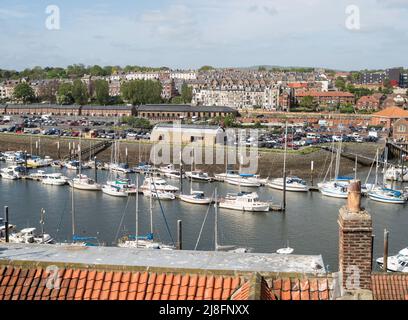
[354, 196]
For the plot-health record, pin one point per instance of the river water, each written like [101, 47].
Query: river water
[309, 224]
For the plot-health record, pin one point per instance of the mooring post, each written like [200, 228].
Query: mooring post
[96, 170]
[385, 262]
[6, 222]
[179, 235]
[311, 172]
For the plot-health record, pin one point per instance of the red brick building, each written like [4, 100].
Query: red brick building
[370, 103]
[400, 130]
[326, 99]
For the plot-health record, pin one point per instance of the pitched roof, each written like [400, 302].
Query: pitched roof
[19, 283]
[325, 94]
[392, 113]
[182, 108]
[389, 286]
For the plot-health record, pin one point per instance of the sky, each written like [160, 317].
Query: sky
[191, 33]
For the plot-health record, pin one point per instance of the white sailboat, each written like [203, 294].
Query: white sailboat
[143, 242]
[293, 184]
[338, 187]
[83, 182]
[156, 183]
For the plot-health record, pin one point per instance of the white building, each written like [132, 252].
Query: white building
[266, 98]
[183, 75]
[142, 76]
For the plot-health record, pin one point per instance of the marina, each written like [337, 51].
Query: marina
[309, 222]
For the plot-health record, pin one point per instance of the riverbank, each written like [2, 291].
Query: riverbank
[270, 162]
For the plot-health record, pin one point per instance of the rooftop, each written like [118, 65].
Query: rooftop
[182, 108]
[392, 113]
[147, 259]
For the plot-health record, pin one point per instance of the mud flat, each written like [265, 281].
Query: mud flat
[270, 162]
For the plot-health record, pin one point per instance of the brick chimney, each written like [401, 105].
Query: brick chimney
[355, 242]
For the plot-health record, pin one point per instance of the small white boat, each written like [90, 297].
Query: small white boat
[28, 235]
[286, 250]
[161, 195]
[37, 162]
[8, 174]
[173, 175]
[114, 191]
[196, 197]
[55, 179]
[387, 196]
[83, 182]
[293, 184]
[157, 184]
[244, 201]
[398, 263]
[199, 176]
[167, 169]
[335, 189]
[244, 180]
[74, 165]
[225, 175]
[39, 175]
[395, 173]
[119, 167]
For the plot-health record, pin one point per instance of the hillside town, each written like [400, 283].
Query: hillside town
[275, 89]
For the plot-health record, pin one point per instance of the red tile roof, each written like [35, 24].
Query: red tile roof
[81, 284]
[325, 94]
[392, 112]
[301, 289]
[389, 286]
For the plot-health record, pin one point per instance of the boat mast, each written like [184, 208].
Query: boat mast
[73, 210]
[376, 168]
[137, 211]
[151, 204]
[336, 174]
[216, 221]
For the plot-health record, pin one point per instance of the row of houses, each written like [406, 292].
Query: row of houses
[159, 112]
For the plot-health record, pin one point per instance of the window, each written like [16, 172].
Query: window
[402, 128]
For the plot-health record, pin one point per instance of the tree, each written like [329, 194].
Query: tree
[97, 71]
[142, 92]
[206, 68]
[340, 83]
[24, 92]
[186, 93]
[137, 122]
[177, 100]
[48, 90]
[308, 103]
[64, 95]
[79, 92]
[101, 91]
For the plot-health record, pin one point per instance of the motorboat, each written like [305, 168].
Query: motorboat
[37, 162]
[196, 197]
[395, 173]
[143, 168]
[244, 180]
[28, 235]
[244, 201]
[83, 182]
[167, 169]
[293, 184]
[75, 165]
[12, 172]
[336, 188]
[157, 184]
[120, 167]
[11, 227]
[55, 179]
[199, 176]
[161, 195]
[57, 164]
[173, 175]
[39, 175]
[387, 196]
[397, 263]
